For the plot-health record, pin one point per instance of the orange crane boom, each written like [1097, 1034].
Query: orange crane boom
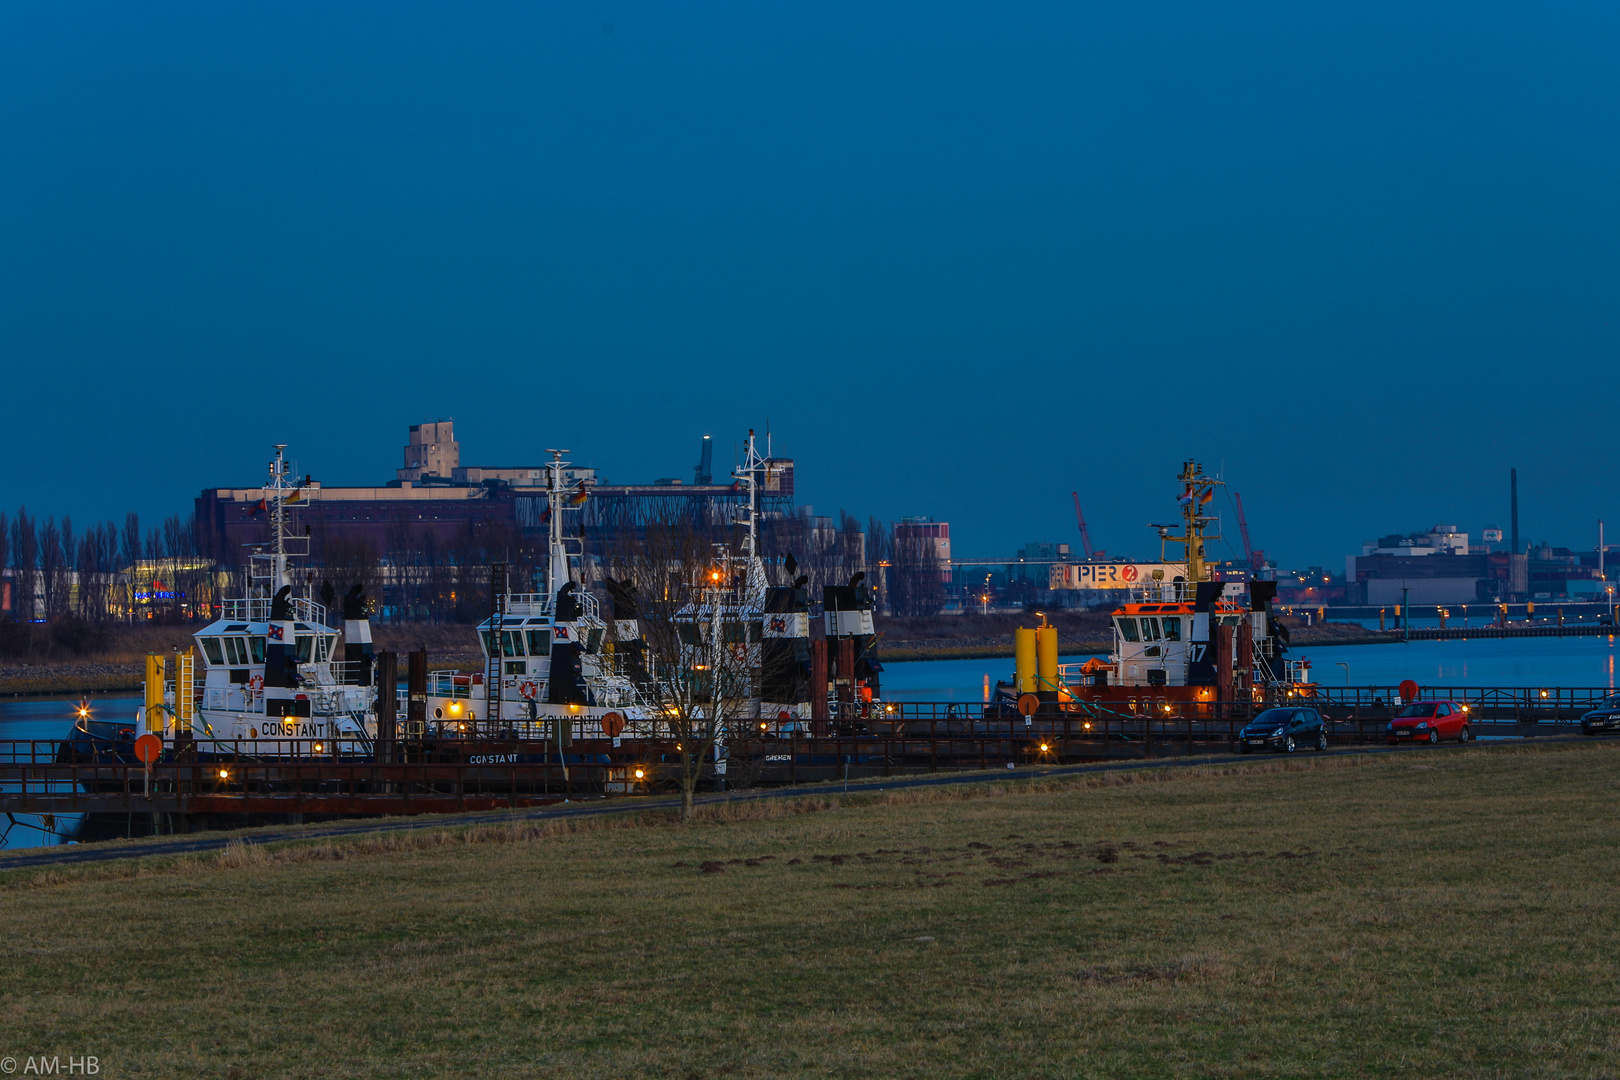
[1085, 534]
[1257, 559]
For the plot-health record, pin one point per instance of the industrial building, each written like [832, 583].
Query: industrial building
[1442, 567]
[435, 500]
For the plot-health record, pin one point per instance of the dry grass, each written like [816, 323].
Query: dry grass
[1268, 919]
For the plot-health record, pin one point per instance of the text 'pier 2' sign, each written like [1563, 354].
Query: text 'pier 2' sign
[1120, 575]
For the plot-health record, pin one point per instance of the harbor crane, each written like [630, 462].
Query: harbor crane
[1085, 534]
[1257, 559]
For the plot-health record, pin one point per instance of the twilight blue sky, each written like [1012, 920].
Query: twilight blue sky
[965, 258]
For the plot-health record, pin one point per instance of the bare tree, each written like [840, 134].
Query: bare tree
[24, 558]
[5, 555]
[677, 629]
[132, 539]
[350, 560]
[915, 580]
[70, 563]
[50, 568]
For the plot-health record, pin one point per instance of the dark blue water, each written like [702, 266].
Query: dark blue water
[31, 727]
[1534, 662]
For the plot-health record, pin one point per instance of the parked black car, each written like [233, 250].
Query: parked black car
[1606, 717]
[1284, 731]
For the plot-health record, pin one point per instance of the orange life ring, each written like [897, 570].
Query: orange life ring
[256, 683]
[613, 724]
[528, 689]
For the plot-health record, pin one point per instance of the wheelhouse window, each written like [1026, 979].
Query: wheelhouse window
[256, 649]
[512, 642]
[1172, 629]
[1150, 629]
[539, 642]
[306, 647]
[210, 647]
[1127, 628]
[234, 653]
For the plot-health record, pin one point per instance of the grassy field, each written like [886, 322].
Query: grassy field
[1426, 913]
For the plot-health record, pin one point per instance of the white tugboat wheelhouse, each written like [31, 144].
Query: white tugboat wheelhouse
[271, 667]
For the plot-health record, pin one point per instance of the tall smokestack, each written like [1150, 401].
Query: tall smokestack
[1513, 488]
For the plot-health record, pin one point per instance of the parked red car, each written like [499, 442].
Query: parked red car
[1430, 721]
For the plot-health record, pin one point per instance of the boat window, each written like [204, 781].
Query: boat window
[756, 631]
[1150, 629]
[1127, 628]
[1230, 620]
[306, 647]
[539, 642]
[1172, 629]
[233, 651]
[731, 632]
[210, 647]
[257, 646]
[593, 640]
[489, 644]
[691, 633]
[511, 643]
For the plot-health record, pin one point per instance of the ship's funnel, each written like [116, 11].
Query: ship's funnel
[357, 648]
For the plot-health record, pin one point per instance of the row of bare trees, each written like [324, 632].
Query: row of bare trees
[58, 572]
[418, 574]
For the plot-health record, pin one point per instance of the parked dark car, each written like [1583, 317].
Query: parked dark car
[1283, 731]
[1606, 717]
[1429, 722]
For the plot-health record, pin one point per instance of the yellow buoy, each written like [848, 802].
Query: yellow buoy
[1046, 657]
[1024, 660]
[154, 692]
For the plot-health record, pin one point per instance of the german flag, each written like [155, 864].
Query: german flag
[579, 496]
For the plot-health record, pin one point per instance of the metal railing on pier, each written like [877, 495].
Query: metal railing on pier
[521, 764]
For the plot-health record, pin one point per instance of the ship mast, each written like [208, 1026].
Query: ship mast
[750, 473]
[1197, 490]
[557, 566]
[278, 518]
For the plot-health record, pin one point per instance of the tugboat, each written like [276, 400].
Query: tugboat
[271, 669]
[765, 627]
[1189, 639]
[547, 654]
[554, 656]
